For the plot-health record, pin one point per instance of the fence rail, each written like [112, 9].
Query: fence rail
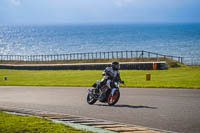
[191, 61]
[91, 55]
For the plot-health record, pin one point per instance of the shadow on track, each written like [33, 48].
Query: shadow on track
[128, 106]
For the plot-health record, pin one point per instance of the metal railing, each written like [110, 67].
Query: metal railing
[90, 55]
[191, 61]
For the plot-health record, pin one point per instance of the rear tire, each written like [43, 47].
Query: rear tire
[90, 99]
[112, 100]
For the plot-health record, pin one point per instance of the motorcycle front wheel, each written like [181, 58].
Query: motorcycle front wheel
[112, 100]
[90, 99]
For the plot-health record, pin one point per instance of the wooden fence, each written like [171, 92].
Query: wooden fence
[88, 56]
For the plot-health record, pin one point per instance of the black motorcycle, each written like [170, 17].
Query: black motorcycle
[104, 94]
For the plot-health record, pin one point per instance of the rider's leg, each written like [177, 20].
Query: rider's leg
[108, 83]
[103, 94]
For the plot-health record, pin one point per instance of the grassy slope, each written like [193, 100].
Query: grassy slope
[185, 77]
[10, 123]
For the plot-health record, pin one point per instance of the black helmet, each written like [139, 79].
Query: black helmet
[115, 65]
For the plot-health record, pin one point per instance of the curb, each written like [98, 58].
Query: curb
[84, 123]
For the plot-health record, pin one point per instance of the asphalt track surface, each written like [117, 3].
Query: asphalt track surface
[175, 110]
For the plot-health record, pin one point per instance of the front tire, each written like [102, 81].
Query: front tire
[90, 99]
[112, 100]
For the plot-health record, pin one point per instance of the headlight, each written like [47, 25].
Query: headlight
[116, 84]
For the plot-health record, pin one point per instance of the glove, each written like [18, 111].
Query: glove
[94, 85]
[122, 82]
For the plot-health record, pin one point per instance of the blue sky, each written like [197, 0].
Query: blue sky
[98, 11]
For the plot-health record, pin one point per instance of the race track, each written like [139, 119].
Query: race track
[168, 109]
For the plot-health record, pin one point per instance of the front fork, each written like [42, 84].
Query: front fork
[93, 93]
[113, 91]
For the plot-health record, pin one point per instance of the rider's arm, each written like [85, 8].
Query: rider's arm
[108, 72]
[119, 78]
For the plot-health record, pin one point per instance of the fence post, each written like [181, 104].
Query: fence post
[136, 54]
[74, 56]
[81, 56]
[45, 57]
[192, 61]
[112, 55]
[53, 58]
[78, 56]
[131, 54]
[96, 55]
[182, 60]
[142, 53]
[70, 56]
[84, 56]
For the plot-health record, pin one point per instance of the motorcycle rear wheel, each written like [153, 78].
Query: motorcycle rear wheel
[112, 100]
[90, 99]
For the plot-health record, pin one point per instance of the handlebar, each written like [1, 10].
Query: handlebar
[123, 84]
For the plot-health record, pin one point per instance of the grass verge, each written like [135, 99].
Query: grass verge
[179, 77]
[10, 123]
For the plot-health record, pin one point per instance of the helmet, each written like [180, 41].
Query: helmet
[115, 65]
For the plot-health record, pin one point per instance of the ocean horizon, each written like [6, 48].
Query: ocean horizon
[177, 39]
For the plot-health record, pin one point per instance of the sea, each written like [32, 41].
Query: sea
[176, 39]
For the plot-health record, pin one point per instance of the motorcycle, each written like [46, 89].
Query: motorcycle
[105, 94]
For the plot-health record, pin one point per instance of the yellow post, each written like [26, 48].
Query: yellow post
[148, 77]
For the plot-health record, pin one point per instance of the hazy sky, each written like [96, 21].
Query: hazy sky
[98, 11]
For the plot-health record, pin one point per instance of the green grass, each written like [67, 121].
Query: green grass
[180, 77]
[10, 123]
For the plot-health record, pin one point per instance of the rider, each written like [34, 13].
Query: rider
[111, 73]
